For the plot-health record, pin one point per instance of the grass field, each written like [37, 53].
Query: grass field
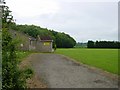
[106, 59]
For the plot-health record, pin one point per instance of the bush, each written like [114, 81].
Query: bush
[12, 76]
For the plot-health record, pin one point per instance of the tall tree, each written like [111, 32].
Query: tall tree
[90, 44]
[10, 72]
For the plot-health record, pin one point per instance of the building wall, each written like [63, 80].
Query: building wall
[32, 45]
[23, 39]
[44, 46]
[25, 45]
[41, 46]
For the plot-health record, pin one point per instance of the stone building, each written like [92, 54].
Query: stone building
[41, 44]
[28, 43]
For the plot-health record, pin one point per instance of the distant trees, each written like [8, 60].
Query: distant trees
[64, 41]
[90, 44]
[103, 44]
[80, 45]
[61, 40]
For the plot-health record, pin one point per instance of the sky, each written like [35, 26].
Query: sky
[82, 19]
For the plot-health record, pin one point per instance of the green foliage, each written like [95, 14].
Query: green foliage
[103, 44]
[10, 71]
[90, 44]
[12, 76]
[22, 54]
[64, 41]
[61, 40]
[28, 72]
[106, 59]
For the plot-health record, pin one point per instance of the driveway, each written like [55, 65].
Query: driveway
[57, 71]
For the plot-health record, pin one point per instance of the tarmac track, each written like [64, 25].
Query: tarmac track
[57, 71]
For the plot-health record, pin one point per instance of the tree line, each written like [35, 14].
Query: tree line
[60, 39]
[103, 44]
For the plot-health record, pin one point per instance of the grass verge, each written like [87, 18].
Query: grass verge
[24, 66]
[22, 54]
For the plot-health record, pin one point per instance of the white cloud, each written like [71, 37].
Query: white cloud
[30, 8]
[82, 19]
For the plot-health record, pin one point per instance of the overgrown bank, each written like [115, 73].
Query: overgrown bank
[12, 76]
[60, 39]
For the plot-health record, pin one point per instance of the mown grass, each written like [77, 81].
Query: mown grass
[106, 59]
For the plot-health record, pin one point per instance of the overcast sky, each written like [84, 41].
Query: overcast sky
[82, 19]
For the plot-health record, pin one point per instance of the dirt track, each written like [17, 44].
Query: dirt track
[58, 71]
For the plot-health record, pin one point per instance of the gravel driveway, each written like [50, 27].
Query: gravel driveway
[58, 71]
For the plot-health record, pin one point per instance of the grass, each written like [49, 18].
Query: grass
[26, 70]
[22, 54]
[105, 59]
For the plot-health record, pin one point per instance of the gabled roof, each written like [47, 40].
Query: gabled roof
[44, 38]
[41, 38]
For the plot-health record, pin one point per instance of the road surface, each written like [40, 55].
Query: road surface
[57, 71]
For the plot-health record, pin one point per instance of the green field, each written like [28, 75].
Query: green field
[106, 59]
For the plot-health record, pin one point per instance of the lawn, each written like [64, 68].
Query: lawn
[106, 59]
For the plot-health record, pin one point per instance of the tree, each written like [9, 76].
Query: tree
[64, 41]
[90, 44]
[103, 44]
[11, 75]
[60, 40]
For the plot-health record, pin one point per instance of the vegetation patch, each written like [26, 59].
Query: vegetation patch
[60, 39]
[22, 54]
[105, 59]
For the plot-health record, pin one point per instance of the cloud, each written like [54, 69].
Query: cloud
[29, 8]
[82, 20]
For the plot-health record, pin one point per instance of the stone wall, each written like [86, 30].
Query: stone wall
[25, 44]
[41, 46]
